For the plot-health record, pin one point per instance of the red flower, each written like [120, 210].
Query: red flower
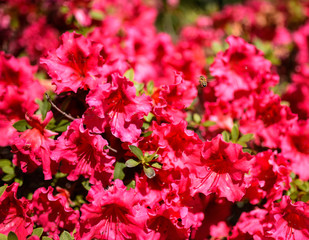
[115, 104]
[115, 213]
[81, 153]
[53, 212]
[13, 213]
[75, 64]
[32, 147]
[222, 171]
[291, 221]
[242, 67]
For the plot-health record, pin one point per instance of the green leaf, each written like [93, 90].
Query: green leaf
[304, 187]
[208, 123]
[61, 126]
[21, 125]
[86, 185]
[137, 152]
[5, 162]
[139, 88]
[118, 171]
[226, 136]
[146, 134]
[146, 125]
[2, 189]
[305, 198]
[132, 163]
[149, 171]
[12, 236]
[44, 106]
[246, 138]
[66, 236]
[150, 86]
[19, 181]
[235, 133]
[156, 165]
[38, 232]
[3, 237]
[149, 117]
[8, 177]
[46, 238]
[129, 74]
[197, 118]
[8, 170]
[152, 156]
[96, 15]
[131, 184]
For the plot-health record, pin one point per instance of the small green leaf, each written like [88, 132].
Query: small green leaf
[146, 125]
[131, 184]
[118, 171]
[3, 237]
[46, 238]
[208, 123]
[146, 134]
[139, 88]
[86, 185]
[197, 118]
[246, 138]
[132, 163]
[156, 165]
[8, 177]
[66, 236]
[96, 15]
[19, 181]
[235, 133]
[129, 74]
[226, 136]
[304, 187]
[150, 86]
[149, 171]
[37, 232]
[305, 198]
[2, 189]
[12, 236]
[243, 144]
[149, 117]
[61, 126]
[21, 126]
[247, 150]
[8, 170]
[152, 156]
[137, 152]
[5, 162]
[44, 106]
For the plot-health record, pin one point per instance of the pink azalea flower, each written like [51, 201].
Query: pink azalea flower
[53, 212]
[295, 147]
[242, 67]
[171, 100]
[80, 152]
[14, 215]
[115, 104]
[291, 220]
[301, 40]
[75, 64]
[223, 168]
[166, 223]
[18, 90]
[115, 213]
[32, 147]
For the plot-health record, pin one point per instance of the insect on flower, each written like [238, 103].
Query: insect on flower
[203, 81]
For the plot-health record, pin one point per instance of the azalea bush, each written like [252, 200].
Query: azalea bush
[112, 128]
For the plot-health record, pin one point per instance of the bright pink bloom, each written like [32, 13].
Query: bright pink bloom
[116, 105]
[14, 213]
[53, 212]
[76, 64]
[171, 100]
[18, 90]
[166, 223]
[223, 168]
[242, 67]
[32, 147]
[291, 220]
[295, 147]
[301, 38]
[115, 213]
[80, 152]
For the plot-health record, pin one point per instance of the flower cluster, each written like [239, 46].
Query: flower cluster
[114, 130]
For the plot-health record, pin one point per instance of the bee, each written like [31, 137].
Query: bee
[203, 81]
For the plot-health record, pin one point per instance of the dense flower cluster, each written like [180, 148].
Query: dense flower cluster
[111, 129]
